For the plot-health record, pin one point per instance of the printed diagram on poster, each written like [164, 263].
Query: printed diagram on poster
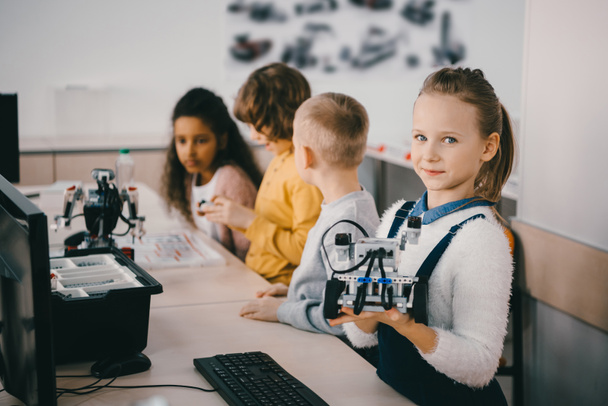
[346, 38]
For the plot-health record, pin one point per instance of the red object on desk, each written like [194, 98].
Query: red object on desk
[129, 252]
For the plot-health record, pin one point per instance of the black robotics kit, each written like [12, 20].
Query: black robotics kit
[100, 304]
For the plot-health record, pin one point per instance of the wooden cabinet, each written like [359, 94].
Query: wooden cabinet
[36, 169]
[46, 168]
[78, 165]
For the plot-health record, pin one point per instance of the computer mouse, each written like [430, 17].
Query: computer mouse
[119, 365]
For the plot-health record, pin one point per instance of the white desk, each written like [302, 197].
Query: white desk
[177, 335]
[197, 316]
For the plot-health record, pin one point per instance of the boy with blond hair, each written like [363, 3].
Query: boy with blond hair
[330, 137]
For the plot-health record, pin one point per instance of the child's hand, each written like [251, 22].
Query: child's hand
[264, 309]
[276, 289]
[201, 207]
[368, 321]
[228, 212]
[420, 335]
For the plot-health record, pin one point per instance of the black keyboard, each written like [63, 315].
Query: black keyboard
[254, 378]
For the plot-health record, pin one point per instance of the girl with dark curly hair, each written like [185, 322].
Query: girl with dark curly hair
[208, 157]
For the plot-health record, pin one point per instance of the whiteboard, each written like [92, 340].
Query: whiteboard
[108, 68]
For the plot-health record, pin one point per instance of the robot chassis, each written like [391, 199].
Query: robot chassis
[374, 283]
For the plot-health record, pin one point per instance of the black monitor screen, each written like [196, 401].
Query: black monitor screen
[27, 369]
[9, 137]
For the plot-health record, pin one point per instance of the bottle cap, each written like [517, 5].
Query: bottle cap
[124, 151]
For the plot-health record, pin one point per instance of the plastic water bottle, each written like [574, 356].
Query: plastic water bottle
[125, 168]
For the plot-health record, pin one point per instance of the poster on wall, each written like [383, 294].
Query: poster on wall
[346, 38]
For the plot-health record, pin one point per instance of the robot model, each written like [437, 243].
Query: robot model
[374, 283]
[102, 208]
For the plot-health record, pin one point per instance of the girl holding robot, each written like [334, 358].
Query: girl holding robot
[463, 150]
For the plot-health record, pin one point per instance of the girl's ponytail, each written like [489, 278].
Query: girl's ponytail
[507, 149]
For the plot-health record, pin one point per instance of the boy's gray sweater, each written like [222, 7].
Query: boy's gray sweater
[303, 308]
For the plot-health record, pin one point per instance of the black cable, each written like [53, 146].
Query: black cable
[90, 388]
[367, 255]
[354, 223]
[118, 200]
[354, 268]
[385, 290]
[74, 376]
[381, 254]
[78, 391]
[360, 299]
[161, 386]
[123, 218]
[102, 215]
[361, 289]
[93, 388]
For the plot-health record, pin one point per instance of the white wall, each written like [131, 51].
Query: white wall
[140, 55]
[564, 185]
[136, 58]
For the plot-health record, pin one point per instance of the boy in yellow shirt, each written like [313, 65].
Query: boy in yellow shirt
[286, 207]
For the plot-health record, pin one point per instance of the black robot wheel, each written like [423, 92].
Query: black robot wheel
[333, 290]
[420, 304]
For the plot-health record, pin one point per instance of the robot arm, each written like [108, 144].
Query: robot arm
[130, 195]
[70, 197]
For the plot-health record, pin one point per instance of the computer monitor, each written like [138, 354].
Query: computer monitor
[27, 369]
[9, 138]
